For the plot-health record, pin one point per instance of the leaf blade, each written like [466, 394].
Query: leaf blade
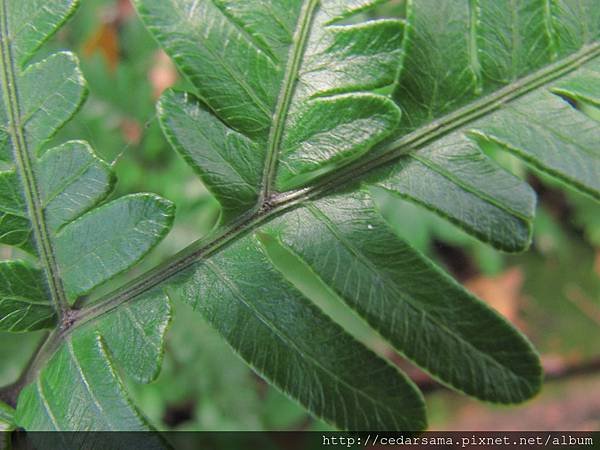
[423, 312]
[191, 129]
[79, 388]
[286, 339]
[23, 299]
[549, 142]
[273, 84]
[109, 240]
[59, 399]
[436, 87]
[471, 191]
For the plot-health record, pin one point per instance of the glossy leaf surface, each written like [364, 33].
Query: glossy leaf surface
[291, 342]
[476, 87]
[423, 312]
[289, 125]
[53, 205]
[494, 84]
[80, 387]
[286, 89]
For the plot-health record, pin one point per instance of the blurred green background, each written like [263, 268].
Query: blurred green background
[552, 293]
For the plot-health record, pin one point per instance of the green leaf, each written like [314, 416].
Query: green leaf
[7, 425]
[24, 303]
[33, 22]
[89, 182]
[288, 125]
[224, 158]
[583, 86]
[135, 334]
[548, 133]
[53, 206]
[485, 69]
[78, 377]
[423, 312]
[295, 97]
[287, 339]
[471, 191]
[110, 239]
[80, 389]
[47, 200]
[6, 417]
[290, 94]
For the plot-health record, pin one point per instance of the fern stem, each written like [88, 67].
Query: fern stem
[278, 204]
[24, 159]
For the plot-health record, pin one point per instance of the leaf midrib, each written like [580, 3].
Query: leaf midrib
[42, 395]
[286, 95]
[288, 341]
[388, 278]
[478, 193]
[25, 165]
[474, 63]
[205, 248]
[87, 384]
[23, 299]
